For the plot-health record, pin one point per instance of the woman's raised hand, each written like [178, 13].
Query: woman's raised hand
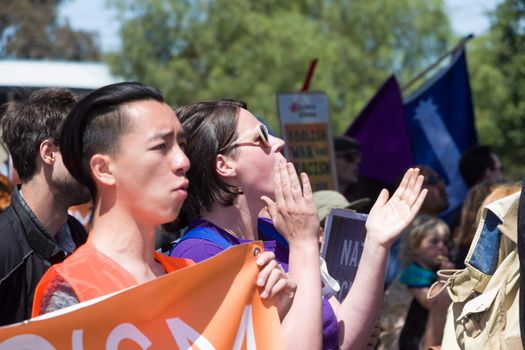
[293, 213]
[389, 217]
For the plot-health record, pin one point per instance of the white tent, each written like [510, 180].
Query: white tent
[34, 74]
[67, 74]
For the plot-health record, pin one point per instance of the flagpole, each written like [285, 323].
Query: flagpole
[309, 75]
[452, 51]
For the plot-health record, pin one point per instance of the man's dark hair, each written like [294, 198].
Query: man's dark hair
[474, 162]
[209, 127]
[344, 145]
[28, 122]
[95, 125]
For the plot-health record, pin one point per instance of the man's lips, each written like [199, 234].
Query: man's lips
[183, 186]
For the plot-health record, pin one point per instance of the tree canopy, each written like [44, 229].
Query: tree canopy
[31, 29]
[205, 49]
[497, 71]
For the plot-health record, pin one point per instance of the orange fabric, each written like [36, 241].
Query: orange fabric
[211, 305]
[92, 274]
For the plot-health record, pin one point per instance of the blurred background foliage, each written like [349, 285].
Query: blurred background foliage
[31, 29]
[201, 49]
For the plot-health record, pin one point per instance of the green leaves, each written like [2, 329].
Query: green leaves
[30, 29]
[498, 82]
[250, 50]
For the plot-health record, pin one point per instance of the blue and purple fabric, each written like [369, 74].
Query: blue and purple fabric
[199, 249]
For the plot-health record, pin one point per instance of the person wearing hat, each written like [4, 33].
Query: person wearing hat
[325, 200]
[347, 152]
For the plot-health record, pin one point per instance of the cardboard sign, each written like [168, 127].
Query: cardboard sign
[211, 305]
[343, 245]
[307, 132]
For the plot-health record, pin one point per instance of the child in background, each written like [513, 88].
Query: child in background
[425, 252]
[405, 305]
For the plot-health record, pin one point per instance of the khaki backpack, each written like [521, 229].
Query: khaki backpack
[484, 313]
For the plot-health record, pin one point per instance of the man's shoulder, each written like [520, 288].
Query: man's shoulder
[14, 246]
[10, 229]
[8, 218]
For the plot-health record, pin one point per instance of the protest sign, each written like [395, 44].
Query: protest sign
[307, 132]
[344, 238]
[211, 305]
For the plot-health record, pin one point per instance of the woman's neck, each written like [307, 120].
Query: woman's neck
[238, 219]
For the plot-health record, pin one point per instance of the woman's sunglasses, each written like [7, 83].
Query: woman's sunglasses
[261, 130]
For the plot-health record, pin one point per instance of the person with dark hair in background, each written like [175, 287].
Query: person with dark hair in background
[480, 163]
[125, 144]
[347, 153]
[35, 230]
[436, 201]
[477, 164]
[238, 170]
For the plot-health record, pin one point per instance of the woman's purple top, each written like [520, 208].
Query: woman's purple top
[198, 249]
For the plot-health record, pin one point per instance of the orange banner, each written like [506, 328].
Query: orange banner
[211, 305]
[82, 213]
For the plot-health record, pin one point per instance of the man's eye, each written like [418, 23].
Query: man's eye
[160, 146]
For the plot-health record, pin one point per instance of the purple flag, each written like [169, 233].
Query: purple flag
[382, 130]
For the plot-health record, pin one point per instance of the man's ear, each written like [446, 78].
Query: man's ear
[100, 167]
[225, 166]
[48, 151]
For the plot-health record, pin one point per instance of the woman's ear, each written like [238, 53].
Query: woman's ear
[225, 166]
[100, 167]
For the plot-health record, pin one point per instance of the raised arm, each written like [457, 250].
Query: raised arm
[358, 313]
[295, 217]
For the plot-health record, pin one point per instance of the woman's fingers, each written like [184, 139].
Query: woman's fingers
[381, 200]
[275, 282]
[415, 191]
[295, 186]
[410, 184]
[419, 201]
[285, 181]
[266, 261]
[277, 184]
[403, 185]
[307, 187]
[272, 278]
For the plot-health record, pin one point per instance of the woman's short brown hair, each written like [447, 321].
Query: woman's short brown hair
[210, 127]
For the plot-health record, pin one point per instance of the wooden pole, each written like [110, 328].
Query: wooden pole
[309, 75]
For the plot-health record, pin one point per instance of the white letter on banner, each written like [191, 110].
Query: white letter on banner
[26, 342]
[185, 336]
[345, 256]
[76, 339]
[443, 146]
[245, 331]
[126, 331]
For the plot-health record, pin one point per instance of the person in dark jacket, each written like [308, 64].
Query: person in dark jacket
[35, 230]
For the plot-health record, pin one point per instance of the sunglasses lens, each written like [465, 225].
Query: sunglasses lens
[264, 134]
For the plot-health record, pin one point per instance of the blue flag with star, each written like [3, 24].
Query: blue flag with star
[441, 124]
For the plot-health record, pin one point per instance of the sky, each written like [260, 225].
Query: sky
[466, 16]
